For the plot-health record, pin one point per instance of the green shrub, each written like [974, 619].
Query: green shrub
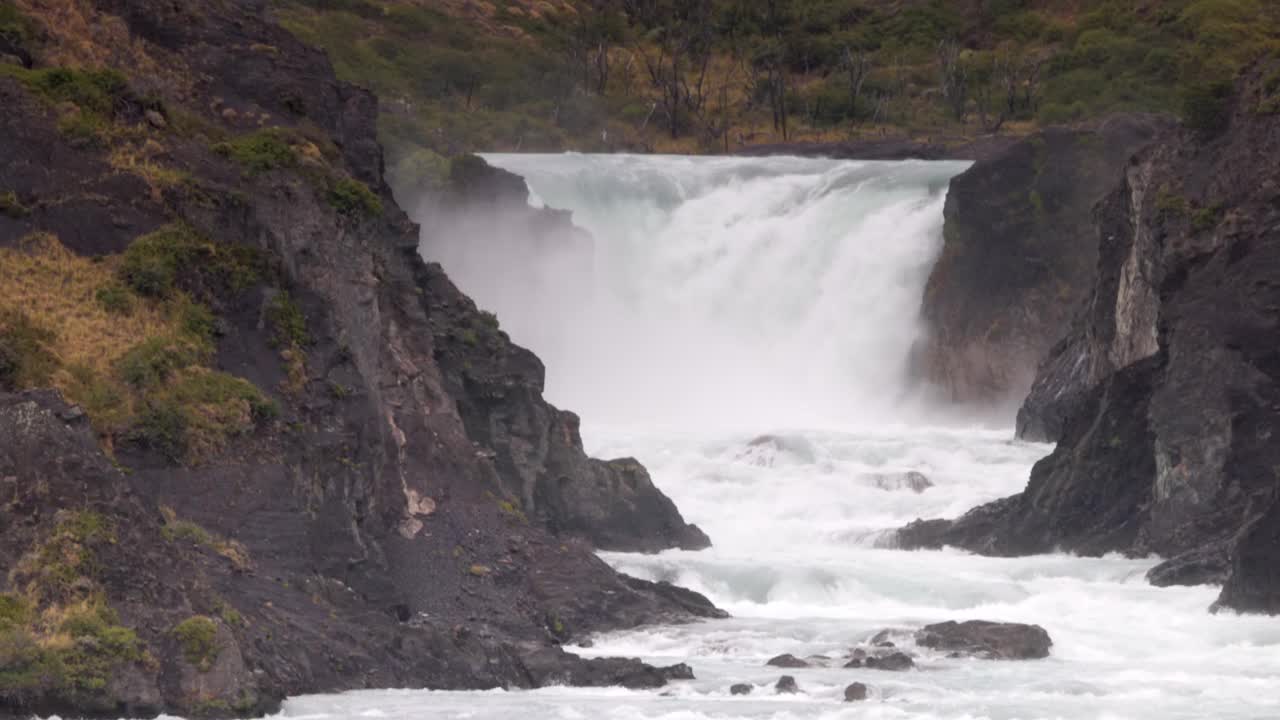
[288, 324]
[162, 427]
[26, 359]
[116, 299]
[197, 321]
[150, 264]
[218, 388]
[260, 152]
[14, 611]
[1206, 218]
[12, 207]
[198, 638]
[66, 563]
[151, 362]
[186, 531]
[153, 263]
[354, 199]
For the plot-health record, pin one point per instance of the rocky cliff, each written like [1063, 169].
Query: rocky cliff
[1018, 256]
[1163, 397]
[279, 453]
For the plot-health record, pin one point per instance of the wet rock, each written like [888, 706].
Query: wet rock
[679, 671]
[1209, 565]
[741, 689]
[787, 661]
[855, 663]
[894, 662]
[987, 640]
[1020, 255]
[916, 482]
[1164, 396]
[786, 686]
[855, 692]
[553, 666]
[772, 450]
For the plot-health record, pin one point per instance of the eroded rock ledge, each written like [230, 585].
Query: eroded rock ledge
[1163, 398]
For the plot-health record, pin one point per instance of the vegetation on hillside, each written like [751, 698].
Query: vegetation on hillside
[123, 341]
[713, 75]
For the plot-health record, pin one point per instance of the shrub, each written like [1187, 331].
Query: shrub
[198, 637]
[64, 565]
[150, 264]
[153, 264]
[162, 428]
[153, 361]
[288, 324]
[115, 299]
[354, 199]
[26, 357]
[197, 321]
[259, 152]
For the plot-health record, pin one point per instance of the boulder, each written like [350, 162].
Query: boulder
[741, 689]
[894, 662]
[916, 482]
[987, 640]
[786, 686]
[787, 661]
[855, 692]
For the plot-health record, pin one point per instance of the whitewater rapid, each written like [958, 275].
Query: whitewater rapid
[744, 327]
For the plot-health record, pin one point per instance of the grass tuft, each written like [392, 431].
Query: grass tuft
[353, 198]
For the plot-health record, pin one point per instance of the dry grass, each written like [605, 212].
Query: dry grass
[143, 160]
[57, 289]
[83, 37]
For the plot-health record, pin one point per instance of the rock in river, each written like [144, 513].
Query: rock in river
[987, 640]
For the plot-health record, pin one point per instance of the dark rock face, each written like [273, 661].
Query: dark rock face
[1019, 256]
[786, 686]
[536, 448]
[787, 661]
[987, 640]
[1164, 396]
[1253, 583]
[740, 689]
[381, 536]
[855, 692]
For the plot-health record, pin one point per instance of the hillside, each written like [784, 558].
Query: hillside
[721, 75]
[253, 446]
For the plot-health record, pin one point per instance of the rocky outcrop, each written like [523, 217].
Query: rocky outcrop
[986, 640]
[1166, 390]
[787, 661]
[1018, 257]
[855, 692]
[375, 526]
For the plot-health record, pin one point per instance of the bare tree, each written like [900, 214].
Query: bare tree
[858, 67]
[955, 79]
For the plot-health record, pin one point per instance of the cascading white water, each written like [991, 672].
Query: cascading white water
[722, 291]
[742, 329]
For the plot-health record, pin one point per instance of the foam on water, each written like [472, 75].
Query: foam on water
[743, 329]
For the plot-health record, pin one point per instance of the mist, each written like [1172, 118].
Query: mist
[712, 292]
